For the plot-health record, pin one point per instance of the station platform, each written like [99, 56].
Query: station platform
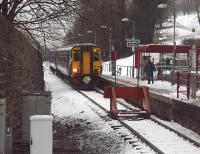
[163, 101]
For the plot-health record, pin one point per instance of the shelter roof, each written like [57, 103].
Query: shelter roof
[160, 48]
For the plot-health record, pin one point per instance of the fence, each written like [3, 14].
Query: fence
[191, 81]
[126, 71]
[120, 70]
[187, 83]
[163, 72]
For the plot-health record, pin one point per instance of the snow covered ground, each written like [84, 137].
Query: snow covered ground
[92, 130]
[76, 112]
[184, 26]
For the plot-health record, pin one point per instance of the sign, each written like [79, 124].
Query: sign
[114, 56]
[156, 39]
[133, 43]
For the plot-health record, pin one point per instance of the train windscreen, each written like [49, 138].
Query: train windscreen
[96, 56]
[76, 56]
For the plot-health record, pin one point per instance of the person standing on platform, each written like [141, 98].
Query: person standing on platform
[149, 68]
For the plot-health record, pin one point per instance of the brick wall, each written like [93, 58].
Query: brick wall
[20, 69]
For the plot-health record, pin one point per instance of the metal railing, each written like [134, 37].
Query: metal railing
[191, 81]
[183, 78]
[120, 70]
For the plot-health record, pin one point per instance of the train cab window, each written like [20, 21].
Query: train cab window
[76, 56]
[96, 56]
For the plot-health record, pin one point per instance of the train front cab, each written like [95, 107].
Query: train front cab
[86, 64]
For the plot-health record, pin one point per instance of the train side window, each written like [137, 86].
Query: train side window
[76, 56]
[96, 56]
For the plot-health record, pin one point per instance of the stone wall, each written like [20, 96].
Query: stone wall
[161, 106]
[20, 69]
[186, 114]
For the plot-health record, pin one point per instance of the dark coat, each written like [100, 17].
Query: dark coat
[149, 68]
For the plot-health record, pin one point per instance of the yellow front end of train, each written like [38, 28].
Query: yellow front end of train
[86, 64]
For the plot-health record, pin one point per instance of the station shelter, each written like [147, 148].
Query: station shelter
[186, 58]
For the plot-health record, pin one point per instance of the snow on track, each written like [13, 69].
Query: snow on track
[167, 141]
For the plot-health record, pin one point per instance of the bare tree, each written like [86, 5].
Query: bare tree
[197, 10]
[40, 17]
[145, 13]
[95, 13]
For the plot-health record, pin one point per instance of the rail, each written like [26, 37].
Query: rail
[138, 127]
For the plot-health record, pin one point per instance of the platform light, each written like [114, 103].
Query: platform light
[125, 19]
[95, 35]
[164, 6]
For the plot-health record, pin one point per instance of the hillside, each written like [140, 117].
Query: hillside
[184, 26]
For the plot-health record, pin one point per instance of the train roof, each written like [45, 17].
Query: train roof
[69, 47]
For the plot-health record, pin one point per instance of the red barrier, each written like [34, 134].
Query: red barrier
[114, 55]
[145, 102]
[139, 93]
[188, 85]
[178, 84]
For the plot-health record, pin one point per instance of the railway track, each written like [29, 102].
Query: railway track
[129, 106]
[158, 136]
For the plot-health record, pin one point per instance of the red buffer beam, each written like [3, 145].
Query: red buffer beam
[139, 93]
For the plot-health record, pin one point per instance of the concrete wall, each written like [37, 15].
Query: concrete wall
[161, 106]
[186, 114]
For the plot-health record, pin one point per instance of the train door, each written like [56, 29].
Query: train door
[75, 63]
[97, 68]
[86, 62]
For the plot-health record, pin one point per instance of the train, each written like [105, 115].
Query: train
[80, 63]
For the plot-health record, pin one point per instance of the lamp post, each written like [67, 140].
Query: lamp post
[113, 63]
[133, 38]
[44, 40]
[162, 6]
[95, 35]
[110, 38]
[79, 36]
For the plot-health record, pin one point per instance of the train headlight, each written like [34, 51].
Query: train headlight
[75, 70]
